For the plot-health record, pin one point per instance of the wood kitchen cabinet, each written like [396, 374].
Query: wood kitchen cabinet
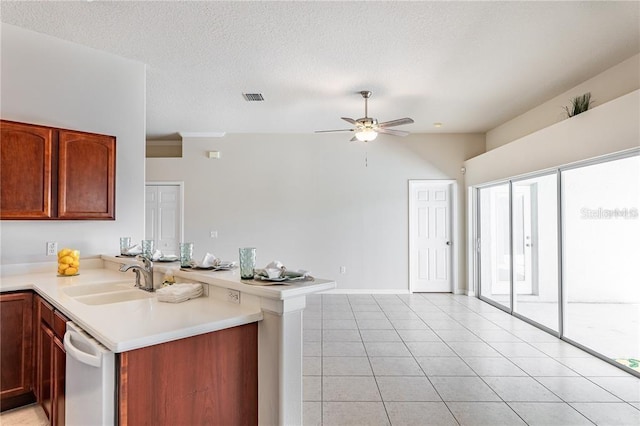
[50, 361]
[86, 176]
[16, 321]
[26, 170]
[207, 379]
[50, 173]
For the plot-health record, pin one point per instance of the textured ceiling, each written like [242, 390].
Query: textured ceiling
[469, 65]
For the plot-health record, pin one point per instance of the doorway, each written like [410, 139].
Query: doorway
[164, 221]
[431, 235]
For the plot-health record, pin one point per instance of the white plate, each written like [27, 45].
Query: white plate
[278, 279]
[167, 259]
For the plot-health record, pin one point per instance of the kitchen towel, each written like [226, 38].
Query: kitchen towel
[177, 293]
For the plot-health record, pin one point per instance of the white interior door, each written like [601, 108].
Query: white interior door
[163, 217]
[430, 236]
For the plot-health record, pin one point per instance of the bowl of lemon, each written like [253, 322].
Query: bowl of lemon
[68, 262]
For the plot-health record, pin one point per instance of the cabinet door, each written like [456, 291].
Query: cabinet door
[26, 170]
[59, 371]
[158, 385]
[16, 321]
[86, 176]
[45, 349]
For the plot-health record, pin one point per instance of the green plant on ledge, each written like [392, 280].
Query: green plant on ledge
[579, 104]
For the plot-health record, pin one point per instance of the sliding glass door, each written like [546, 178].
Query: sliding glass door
[535, 249]
[495, 245]
[602, 257]
[568, 261]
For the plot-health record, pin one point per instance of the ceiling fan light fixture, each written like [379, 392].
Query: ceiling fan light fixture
[366, 135]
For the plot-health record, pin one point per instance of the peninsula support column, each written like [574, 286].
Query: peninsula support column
[280, 362]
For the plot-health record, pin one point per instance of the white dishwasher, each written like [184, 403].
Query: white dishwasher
[90, 380]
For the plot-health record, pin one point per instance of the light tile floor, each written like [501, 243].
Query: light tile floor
[441, 359]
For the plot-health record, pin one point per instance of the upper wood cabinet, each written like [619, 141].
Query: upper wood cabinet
[86, 176]
[49, 173]
[26, 161]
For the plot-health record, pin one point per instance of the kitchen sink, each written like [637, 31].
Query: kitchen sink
[106, 293]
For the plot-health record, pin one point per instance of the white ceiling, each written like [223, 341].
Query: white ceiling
[469, 65]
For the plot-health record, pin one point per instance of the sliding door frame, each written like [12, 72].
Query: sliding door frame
[562, 291]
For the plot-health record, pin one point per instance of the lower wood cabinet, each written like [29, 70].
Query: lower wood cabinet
[208, 379]
[57, 381]
[50, 361]
[16, 356]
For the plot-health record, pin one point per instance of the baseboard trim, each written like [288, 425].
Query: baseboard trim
[384, 291]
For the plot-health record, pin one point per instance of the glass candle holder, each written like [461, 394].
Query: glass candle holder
[186, 254]
[147, 248]
[125, 243]
[247, 262]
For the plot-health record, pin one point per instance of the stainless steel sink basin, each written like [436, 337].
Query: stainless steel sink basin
[106, 293]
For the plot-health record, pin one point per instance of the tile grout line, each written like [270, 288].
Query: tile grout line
[478, 376]
[368, 358]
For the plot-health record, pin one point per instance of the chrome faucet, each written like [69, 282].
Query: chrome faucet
[146, 270]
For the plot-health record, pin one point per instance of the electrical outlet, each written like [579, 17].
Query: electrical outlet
[213, 234]
[343, 269]
[52, 248]
[233, 296]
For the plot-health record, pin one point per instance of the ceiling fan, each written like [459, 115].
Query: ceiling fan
[366, 128]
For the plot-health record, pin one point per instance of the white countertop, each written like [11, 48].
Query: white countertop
[137, 323]
[231, 279]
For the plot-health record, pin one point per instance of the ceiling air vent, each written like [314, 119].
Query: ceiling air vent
[253, 97]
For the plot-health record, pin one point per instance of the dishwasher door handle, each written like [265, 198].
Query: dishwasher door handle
[92, 359]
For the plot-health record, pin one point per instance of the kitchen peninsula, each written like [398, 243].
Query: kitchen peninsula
[146, 323]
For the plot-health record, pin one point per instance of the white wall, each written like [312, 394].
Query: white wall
[604, 87]
[315, 202]
[605, 129]
[53, 82]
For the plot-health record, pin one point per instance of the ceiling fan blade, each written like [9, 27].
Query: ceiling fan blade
[350, 120]
[353, 139]
[392, 132]
[334, 131]
[397, 122]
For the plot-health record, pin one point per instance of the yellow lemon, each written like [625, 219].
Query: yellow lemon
[64, 252]
[67, 260]
[62, 266]
[75, 263]
[70, 271]
[75, 254]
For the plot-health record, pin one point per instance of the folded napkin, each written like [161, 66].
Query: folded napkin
[208, 261]
[177, 293]
[133, 250]
[274, 269]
